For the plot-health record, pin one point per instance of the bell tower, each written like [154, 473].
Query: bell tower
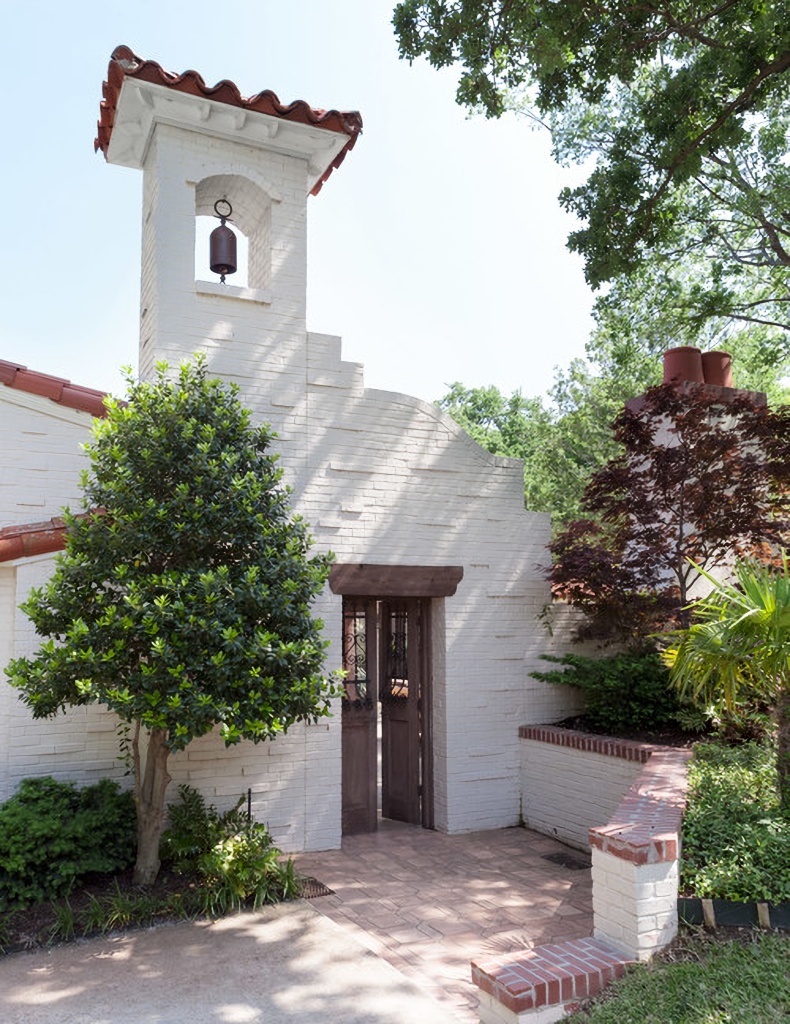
[200, 146]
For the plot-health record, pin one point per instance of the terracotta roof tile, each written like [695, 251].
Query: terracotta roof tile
[32, 539]
[126, 64]
[14, 375]
[22, 540]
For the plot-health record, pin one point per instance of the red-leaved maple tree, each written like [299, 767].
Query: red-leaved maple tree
[703, 477]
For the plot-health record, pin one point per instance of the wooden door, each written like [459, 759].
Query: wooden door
[404, 692]
[359, 741]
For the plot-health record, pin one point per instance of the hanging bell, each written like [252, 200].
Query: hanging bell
[222, 244]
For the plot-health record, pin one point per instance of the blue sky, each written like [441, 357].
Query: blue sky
[437, 251]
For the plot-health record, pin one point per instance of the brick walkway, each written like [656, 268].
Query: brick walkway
[430, 903]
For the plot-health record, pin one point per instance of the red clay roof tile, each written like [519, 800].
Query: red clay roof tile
[126, 64]
[32, 539]
[14, 375]
[23, 540]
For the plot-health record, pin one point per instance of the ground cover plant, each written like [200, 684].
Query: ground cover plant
[213, 863]
[701, 979]
[231, 856]
[736, 841]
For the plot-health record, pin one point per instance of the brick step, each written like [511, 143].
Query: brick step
[541, 985]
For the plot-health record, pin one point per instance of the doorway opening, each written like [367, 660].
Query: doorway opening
[387, 721]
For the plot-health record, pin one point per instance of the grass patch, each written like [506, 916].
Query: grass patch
[701, 979]
[736, 842]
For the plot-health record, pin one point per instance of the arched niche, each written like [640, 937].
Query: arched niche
[252, 207]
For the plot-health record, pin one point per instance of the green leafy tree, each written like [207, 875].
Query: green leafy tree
[680, 111]
[557, 458]
[182, 600]
[721, 256]
[739, 647]
[561, 443]
[568, 436]
[517, 427]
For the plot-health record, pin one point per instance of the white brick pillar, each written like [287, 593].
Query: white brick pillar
[634, 905]
[635, 859]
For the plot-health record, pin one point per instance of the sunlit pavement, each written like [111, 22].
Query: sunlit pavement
[429, 903]
[280, 966]
[392, 945]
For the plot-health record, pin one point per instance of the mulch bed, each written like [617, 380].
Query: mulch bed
[671, 736]
[31, 927]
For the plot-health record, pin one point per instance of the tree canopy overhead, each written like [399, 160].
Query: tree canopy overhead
[681, 105]
[731, 53]
[182, 600]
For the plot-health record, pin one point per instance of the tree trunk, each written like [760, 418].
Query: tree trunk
[149, 796]
[783, 751]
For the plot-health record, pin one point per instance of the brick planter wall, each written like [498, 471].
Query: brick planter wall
[568, 777]
[635, 857]
[572, 781]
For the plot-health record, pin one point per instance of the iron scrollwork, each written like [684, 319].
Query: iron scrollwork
[396, 682]
[355, 655]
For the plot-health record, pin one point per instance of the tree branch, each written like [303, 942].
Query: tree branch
[741, 102]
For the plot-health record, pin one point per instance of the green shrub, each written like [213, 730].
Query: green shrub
[736, 843]
[232, 856]
[623, 692]
[52, 834]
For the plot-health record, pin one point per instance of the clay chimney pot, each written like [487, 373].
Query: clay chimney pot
[683, 363]
[717, 367]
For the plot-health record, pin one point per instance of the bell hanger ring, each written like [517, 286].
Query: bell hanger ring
[223, 216]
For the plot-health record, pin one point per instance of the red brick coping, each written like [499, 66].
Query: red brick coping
[550, 975]
[608, 745]
[645, 828]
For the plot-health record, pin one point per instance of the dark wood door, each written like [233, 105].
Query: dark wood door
[404, 661]
[386, 658]
[359, 742]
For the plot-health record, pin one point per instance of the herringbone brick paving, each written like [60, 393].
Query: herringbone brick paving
[430, 903]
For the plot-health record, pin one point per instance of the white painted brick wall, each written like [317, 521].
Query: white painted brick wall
[549, 702]
[491, 1011]
[634, 905]
[566, 792]
[79, 745]
[381, 477]
[41, 456]
[7, 604]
